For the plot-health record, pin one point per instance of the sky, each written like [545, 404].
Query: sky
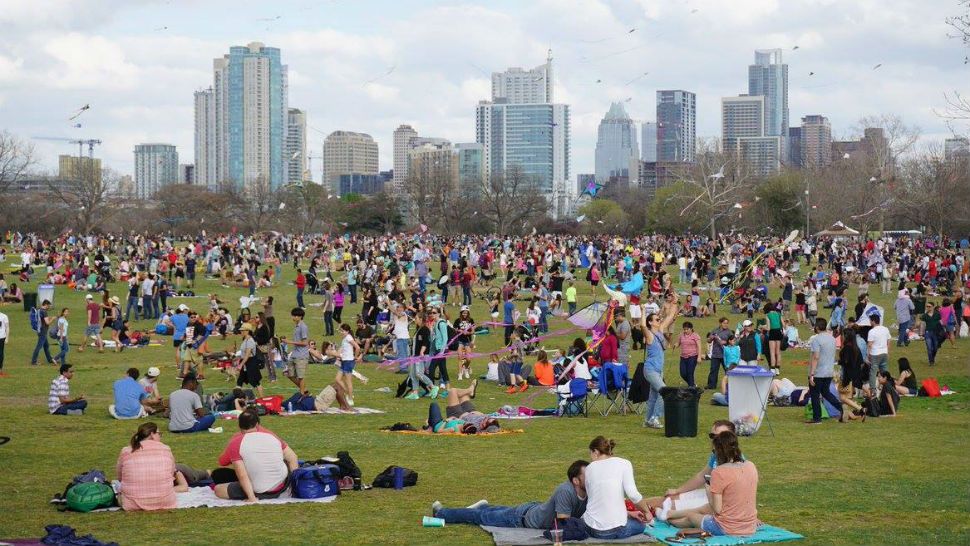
[138, 62]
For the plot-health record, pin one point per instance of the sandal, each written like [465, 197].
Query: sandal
[474, 388]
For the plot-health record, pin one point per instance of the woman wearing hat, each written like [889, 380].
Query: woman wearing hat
[117, 322]
[250, 359]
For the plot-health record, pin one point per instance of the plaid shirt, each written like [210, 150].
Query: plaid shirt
[60, 386]
[147, 477]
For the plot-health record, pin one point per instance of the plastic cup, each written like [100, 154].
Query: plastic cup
[556, 535]
[429, 521]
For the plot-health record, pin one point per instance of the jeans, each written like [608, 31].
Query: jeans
[496, 516]
[544, 318]
[132, 304]
[353, 292]
[466, 295]
[442, 364]
[655, 405]
[299, 297]
[61, 357]
[632, 528]
[202, 424]
[903, 338]
[337, 313]
[156, 307]
[70, 406]
[572, 307]
[146, 307]
[328, 322]
[401, 348]
[444, 294]
[42, 341]
[3, 341]
[508, 333]
[932, 345]
[877, 363]
[717, 362]
[821, 390]
[418, 377]
[687, 366]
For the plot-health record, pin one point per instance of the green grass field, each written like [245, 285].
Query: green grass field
[887, 481]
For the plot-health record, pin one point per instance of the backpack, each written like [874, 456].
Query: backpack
[88, 496]
[315, 481]
[35, 319]
[386, 479]
[347, 465]
[453, 337]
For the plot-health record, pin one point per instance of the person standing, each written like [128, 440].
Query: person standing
[43, 327]
[300, 354]
[571, 297]
[422, 348]
[508, 318]
[623, 337]
[4, 333]
[300, 286]
[61, 332]
[821, 370]
[439, 348]
[402, 336]
[931, 331]
[904, 316]
[690, 347]
[718, 339]
[93, 327]
[878, 342]
[653, 336]
[327, 307]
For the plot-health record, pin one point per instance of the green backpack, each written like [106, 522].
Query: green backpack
[85, 497]
[808, 411]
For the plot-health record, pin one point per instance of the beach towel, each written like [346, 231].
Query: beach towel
[508, 536]
[766, 533]
[205, 497]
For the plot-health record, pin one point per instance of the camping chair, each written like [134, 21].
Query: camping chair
[613, 386]
[575, 402]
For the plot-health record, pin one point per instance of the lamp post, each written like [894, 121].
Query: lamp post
[808, 210]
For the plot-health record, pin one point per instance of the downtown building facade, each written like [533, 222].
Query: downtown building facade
[156, 166]
[348, 153]
[617, 154]
[241, 121]
[294, 150]
[676, 126]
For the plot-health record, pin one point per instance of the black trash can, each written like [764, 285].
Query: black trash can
[919, 305]
[680, 410]
[30, 300]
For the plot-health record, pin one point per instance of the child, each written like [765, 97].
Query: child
[516, 356]
[543, 370]
[465, 368]
[732, 353]
[492, 373]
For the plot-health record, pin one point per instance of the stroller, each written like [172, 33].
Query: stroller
[527, 333]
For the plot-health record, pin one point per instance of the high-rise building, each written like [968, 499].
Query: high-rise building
[435, 163]
[402, 144]
[518, 86]
[956, 148]
[795, 147]
[364, 184]
[186, 173]
[470, 168]
[676, 126]
[742, 134]
[762, 154]
[242, 119]
[71, 167]
[768, 77]
[346, 152]
[617, 153]
[648, 142]
[873, 145]
[816, 141]
[156, 166]
[583, 180]
[294, 152]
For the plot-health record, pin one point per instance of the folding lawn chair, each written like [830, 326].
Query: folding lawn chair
[576, 402]
[613, 386]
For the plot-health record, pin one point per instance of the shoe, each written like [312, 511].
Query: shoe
[477, 505]
[511, 390]
[810, 422]
[654, 423]
[524, 387]
[216, 430]
[474, 388]
[58, 498]
[434, 392]
[435, 506]
[350, 401]
[412, 396]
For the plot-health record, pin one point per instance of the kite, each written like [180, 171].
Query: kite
[719, 174]
[581, 218]
[632, 287]
[592, 188]
[282, 206]
[382, 76]
[79, 112]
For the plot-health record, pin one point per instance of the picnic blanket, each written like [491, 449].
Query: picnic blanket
[234, 414]
[199, 497]
[507, 536]
[429, 433]
[666, 532]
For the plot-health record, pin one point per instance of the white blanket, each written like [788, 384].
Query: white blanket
[199, 497]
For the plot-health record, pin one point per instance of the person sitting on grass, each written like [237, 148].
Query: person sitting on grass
[131, 400]
[149, 383]
[59, 400]
[906, 384]
[147, 472]
[185, 407]
[609, 481]
[261, 460]
[888, 396]
[732, 494]
[568, 500]
[461, 417]
[543, 370]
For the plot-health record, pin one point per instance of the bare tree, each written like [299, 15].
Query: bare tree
[87, 197]
[961, 25]
[428, 197]
[16, 157]
[718, 184]
[509, 199]
[262, 203]
[931, 193]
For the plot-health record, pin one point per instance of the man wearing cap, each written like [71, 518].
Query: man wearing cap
[750, 344]
[130, 398]
[93, 328]
[149, 383]
[178, 322]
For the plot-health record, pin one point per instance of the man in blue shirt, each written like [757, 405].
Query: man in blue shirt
[178, 322]
[508, 317]
[130, 397]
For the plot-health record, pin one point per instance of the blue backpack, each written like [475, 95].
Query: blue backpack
[315, 481]
[35, 319]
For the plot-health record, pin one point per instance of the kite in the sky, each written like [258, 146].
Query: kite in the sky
[79, 112]
[581, 218]
[719, 174]
[592, 189]
[390, 70]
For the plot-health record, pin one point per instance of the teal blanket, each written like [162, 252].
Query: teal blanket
[665, 532]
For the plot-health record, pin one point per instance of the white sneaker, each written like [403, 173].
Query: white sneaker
[350, 401]
[435, 506]
[478, 504]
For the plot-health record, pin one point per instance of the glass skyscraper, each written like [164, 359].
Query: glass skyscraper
[616, 146]
[532, 137]
[676, 126]
[768, 77]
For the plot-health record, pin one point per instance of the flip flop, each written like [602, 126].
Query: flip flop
[474, 388]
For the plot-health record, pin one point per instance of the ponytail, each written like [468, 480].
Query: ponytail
[143, 432]
[602, 445]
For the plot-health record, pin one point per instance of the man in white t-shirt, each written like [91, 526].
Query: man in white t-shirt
[878, 341]
[402, 336]
[262, 462]
[4, 332]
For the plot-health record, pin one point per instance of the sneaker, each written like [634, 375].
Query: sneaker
[654, 423]
[58, 498]
[74, 412]
[434, 392]
[435, 506]
[524, 387]
[412, 396]
[810, 422]
[478, 504]
[216, 430]
[350, 401]
[511, 390]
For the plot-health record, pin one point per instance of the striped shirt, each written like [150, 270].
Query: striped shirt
[147, 477]
[60, 386]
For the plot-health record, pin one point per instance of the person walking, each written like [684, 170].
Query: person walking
[61, 332]
[43, 327]
[717, 339]
[300, 286]
[904, 316]
[878, 344]
[821, 370]
[4, 333]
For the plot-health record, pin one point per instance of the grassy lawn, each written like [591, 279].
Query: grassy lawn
[887, 481]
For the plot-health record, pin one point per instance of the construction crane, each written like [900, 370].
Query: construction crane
[80, 143]
[310, 157]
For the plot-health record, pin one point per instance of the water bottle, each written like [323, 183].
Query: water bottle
[289, 407]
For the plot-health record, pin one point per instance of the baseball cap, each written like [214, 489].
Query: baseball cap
[89, 297]
[746, 323]
[183, 307]
[464, 308]
[154, 372]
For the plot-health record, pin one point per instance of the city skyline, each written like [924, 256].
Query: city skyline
[348, 72]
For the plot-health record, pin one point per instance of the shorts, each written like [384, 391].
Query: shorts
[710, 525]
[515, 368]
[177, 343]
[297, 367]
[775, 335]
[459, 410]
[92, 330]
[235, 491]
[800, 307]
[347, 366]
[325, 399]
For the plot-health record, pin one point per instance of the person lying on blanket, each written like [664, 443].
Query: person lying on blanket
[691, 494]
[568, 500]
[732, 494]
[333, 392]
[460, 415]
[262, 462]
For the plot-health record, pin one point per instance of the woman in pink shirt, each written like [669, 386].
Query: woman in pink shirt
[146, 470]
[690, 347]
